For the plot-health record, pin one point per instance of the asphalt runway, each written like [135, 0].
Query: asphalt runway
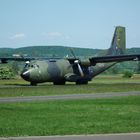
[131, 136]
[67, 97]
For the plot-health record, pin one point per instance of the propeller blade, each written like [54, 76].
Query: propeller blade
[79, 68]
[72, 52]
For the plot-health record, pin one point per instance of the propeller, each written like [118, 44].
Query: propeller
[79, 68]
[77, 63]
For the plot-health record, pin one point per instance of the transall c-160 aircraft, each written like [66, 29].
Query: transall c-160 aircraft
[60, 70]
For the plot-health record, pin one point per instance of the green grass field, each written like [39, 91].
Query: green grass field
[116, 115]
[101, 84]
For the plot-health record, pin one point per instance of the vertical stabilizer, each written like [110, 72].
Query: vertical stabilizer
[118, 43]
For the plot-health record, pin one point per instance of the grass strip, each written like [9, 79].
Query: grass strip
[117, 115]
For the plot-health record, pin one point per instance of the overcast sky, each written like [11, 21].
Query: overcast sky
[76, 23]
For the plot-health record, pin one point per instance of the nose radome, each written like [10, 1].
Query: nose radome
[25, 75]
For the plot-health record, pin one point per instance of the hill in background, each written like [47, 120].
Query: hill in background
[58, 51]
[49, 51]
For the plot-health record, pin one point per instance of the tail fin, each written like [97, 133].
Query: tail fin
[118, 43]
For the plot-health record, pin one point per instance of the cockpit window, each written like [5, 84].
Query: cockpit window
[28, 65]
[34, 66]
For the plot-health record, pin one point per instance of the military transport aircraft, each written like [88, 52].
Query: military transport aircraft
[60, 70]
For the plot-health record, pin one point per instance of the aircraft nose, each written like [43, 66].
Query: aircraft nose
[25, 75]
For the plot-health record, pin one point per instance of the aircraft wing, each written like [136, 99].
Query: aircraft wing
[5, 59]
[119, 58]
[93, 60]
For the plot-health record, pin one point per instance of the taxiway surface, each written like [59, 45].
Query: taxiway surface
[131, 136]
[67, 97]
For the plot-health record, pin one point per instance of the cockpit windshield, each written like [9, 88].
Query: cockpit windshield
[29, 65]
[34, 66]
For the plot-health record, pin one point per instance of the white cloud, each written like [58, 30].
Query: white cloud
[18, 36]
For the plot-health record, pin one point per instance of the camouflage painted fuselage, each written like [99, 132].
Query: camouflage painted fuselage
[46, 70]
[59, 71]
